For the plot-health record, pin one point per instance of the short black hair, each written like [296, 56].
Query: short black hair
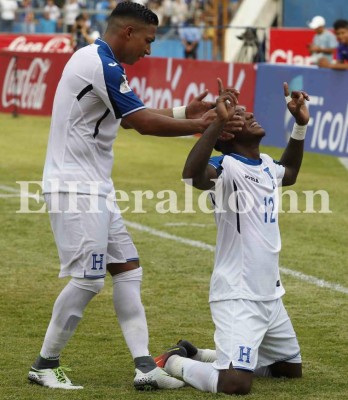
[340, 23]
[128, 9]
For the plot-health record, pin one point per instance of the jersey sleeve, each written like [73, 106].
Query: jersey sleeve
[216, 162]
[122, 98]
[279, 169]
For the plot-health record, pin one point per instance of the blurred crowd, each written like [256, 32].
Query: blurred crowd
[51, 16]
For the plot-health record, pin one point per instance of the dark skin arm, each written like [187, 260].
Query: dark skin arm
[196, 167]
[293, 153]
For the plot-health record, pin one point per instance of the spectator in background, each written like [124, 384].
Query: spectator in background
[81, 35]
[27, 17]
[190, 36]
[71, 11]
[53, 11]
[324, 42]
[341, 32]
[179, 13]
[104, 7]
[8, 14]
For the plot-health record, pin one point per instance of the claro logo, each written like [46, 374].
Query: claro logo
[165, 97]
[288, 57]
[328, 130]
[25, 87]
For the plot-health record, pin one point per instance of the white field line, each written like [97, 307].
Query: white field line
[175, 224]
[344, 161]
[205, 246]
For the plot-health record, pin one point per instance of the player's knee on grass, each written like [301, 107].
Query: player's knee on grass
[233, 381]
[286, 370]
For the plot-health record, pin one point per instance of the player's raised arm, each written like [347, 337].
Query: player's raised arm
[196, 167]
[293, 153]
[195, 109]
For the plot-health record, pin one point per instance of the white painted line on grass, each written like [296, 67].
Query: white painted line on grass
[165, 235]
[344, 161]
[205, 246]
[194, 243]
[315, 281]
[191, 224]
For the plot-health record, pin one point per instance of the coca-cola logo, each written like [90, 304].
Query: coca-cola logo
[25, 87]
[57, 44]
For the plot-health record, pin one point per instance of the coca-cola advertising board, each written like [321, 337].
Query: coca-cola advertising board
[289, 45]
[59, 43]
[169, 82]
[28, 81]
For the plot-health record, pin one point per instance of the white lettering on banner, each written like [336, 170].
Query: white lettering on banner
[288, 57]
[26, 88]
[330, 129]
[58, 44]
[164, 97]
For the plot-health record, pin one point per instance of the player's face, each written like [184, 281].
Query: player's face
[140, 43]
[251, 126]
[342, 35]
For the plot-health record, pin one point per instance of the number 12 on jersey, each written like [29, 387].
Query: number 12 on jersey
[269, 210]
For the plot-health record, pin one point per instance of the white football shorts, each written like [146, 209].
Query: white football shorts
[89, 233]
[253, 334]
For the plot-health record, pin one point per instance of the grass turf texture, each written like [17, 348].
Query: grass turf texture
[176, 276]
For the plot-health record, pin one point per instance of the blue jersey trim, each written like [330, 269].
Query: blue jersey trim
[216, 161]
[246, 160]
[122, 98]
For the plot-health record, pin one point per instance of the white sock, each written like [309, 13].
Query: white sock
[66, 314]
[205, 355]
[130, 311]
[200, 375]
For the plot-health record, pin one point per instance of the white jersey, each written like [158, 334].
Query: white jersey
[91, 98]
[248, 237]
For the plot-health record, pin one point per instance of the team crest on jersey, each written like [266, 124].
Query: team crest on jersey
[124, 87]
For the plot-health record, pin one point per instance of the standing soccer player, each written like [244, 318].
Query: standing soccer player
[253, 332]
[91, 100]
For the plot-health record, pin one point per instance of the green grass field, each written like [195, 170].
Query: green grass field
[176, 275]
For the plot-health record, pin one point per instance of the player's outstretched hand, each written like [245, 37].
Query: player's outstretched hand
[234, 122]
[197, 107]
[226, 102]
[297, 104]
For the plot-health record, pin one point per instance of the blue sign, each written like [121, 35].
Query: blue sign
[297, 13]
[328, 106]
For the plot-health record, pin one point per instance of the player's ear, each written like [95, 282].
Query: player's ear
[128, 30]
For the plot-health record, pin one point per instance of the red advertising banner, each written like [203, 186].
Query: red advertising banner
[28, 81]
[45, 43]
[168, 82]
[289, 45]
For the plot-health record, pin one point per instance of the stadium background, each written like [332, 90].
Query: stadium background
[314, 252]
